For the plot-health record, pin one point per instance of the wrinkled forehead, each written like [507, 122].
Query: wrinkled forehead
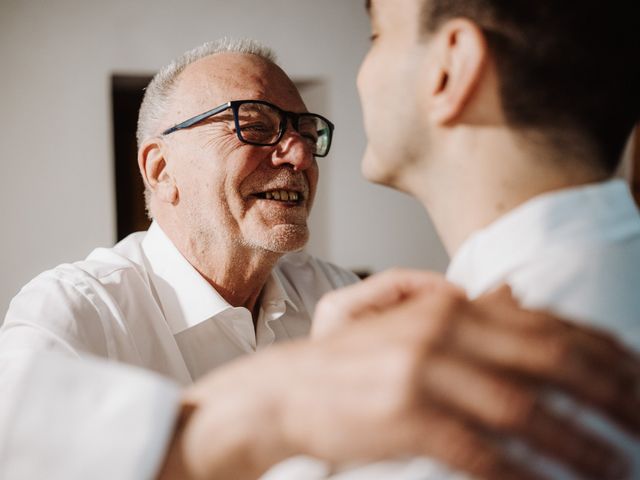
[219, 78]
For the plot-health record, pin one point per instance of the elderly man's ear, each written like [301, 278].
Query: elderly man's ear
[455, 71]
[155, 172]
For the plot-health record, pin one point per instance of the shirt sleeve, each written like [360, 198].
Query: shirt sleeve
[65, 414]
[64, 418]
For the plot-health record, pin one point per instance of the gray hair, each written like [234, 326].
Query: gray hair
[158, 93]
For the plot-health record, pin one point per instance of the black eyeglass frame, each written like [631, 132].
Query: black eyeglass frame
[234, 105]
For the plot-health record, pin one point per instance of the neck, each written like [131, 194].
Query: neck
[484, 175]
[238, 273]
[239, 277]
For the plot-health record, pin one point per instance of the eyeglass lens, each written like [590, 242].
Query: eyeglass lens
[261, 124]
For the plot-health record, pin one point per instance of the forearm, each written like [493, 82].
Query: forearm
[230, 458]
[229, 426]
[174, 466]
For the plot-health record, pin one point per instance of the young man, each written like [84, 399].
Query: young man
[507, 121]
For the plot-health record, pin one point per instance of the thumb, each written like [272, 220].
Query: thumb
[375, 294]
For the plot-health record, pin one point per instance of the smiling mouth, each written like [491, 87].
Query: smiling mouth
[285, 196]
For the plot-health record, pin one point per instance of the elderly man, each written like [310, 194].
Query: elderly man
[230, 191]
[227, 152]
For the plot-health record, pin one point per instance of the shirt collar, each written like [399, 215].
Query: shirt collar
[594, 213]
[275, 294]
[187, 299]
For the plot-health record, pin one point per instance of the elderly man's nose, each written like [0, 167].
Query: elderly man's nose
[293, 150]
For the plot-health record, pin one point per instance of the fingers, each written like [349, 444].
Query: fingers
[374, 294]
[604, 350]
[385, 289]
[500, 308]
[584, 362]
[514, 409]
[568, 442]
[483, 342]
[462, 447]
[486, 360]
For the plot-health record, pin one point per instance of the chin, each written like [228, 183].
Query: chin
[285, 238]
[376, 171]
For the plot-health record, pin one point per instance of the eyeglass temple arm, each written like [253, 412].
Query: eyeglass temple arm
[198, 118]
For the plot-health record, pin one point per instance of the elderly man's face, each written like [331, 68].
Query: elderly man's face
[223, 183]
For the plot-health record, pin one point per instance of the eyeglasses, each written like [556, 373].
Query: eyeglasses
[261, 123]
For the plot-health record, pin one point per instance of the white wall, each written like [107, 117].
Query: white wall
[57, 197]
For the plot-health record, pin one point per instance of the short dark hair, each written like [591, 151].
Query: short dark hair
[568, 69]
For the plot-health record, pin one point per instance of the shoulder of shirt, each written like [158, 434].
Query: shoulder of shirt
[125, 257]
[593, 283]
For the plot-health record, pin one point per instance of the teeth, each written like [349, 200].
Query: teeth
[282, 195]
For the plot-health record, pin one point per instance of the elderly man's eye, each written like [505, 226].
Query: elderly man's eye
[308, 131]
[258, 132]
[255, 127]
[310, 137]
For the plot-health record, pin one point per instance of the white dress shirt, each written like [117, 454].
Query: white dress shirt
[142, 304]
[575, 252]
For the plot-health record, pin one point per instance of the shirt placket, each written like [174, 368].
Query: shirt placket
[272, 311]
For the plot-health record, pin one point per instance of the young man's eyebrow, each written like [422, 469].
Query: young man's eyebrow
[367, 5]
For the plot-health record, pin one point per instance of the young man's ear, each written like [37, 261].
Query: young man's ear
[153, 167]
[459, 57]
